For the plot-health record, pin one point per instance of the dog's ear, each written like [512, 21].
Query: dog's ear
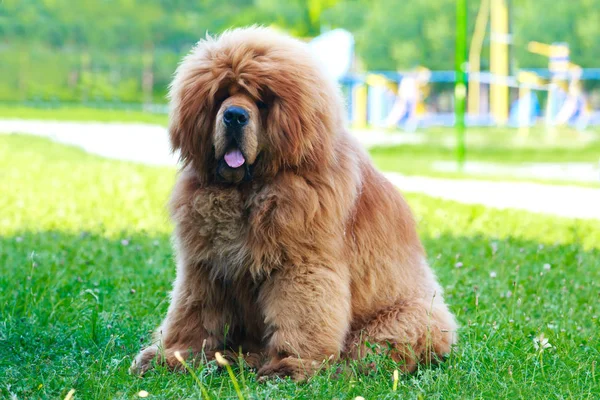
[303, 117]
[189, 120]
[191, 117]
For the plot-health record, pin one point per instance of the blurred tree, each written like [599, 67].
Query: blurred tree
[301, 17]
[393, 35]
[574, 22]
[126, 45]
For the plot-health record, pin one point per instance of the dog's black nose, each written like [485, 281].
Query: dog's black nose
[235, 117]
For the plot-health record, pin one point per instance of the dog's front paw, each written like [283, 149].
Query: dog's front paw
[297, 369]
[144, 360]
[171, 358]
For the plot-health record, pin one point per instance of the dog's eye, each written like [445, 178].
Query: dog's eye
[261, 105]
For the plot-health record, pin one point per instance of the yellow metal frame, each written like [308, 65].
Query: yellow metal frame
[550, 51]
[359, 104]
[500, 38]
[474, 98]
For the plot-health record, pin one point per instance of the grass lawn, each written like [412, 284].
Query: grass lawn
[501, 146]
[86, 264]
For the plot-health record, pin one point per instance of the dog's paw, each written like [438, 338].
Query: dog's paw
[254, 360]
[298, 370]
[153, 355]
[250, 360]
[144, 360]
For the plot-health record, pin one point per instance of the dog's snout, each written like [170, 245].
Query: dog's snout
[235, 116]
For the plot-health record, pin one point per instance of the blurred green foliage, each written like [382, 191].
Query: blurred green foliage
[61, 50]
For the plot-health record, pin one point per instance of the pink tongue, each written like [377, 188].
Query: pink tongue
[234, 158]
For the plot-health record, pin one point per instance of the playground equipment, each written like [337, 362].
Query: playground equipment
[575, 109]
[380, 94]
[408, 105]
[420, 97]
[499, 67]
[371, 96]
[387, 99]
[498, 79]
[474, 92]
[566, 101]
[526, 109]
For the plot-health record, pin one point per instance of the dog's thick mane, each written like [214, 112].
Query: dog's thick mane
[304, 107]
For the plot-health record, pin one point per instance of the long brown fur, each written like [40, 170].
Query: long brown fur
[311, 255]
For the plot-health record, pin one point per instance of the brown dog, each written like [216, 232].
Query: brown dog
[290, 245]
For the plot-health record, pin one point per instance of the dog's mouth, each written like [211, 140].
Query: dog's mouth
[234, 158]
[233, 168]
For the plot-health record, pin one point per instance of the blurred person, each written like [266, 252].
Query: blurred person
[574, 109]
[410, 94]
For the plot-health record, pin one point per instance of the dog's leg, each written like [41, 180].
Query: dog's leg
[193, 322]
[307, 311]
[181, 331]
[410, 332]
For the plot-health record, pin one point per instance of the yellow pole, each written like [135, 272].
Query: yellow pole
[499, 60]
[475, 57]
[360, 106]
[540, 48]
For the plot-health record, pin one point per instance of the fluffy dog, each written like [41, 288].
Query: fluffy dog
[290, 245]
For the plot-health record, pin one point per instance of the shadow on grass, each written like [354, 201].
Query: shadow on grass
[75, 308]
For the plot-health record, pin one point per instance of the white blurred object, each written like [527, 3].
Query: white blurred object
[334, 49]
[144, 143]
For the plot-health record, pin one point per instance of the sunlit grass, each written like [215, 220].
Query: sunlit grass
[86, 266]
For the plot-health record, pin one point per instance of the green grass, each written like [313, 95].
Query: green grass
[86, 265]
[418, 160]
[496, 145]
[501, 146]
[396, 157]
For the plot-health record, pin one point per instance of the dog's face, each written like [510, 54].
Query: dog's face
[250, 103]
[239, 135]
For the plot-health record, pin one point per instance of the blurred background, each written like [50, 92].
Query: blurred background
[522, 74]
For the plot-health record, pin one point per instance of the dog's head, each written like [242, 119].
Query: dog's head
[250, 103]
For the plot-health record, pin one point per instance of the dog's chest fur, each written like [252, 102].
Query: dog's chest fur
[227, 229]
